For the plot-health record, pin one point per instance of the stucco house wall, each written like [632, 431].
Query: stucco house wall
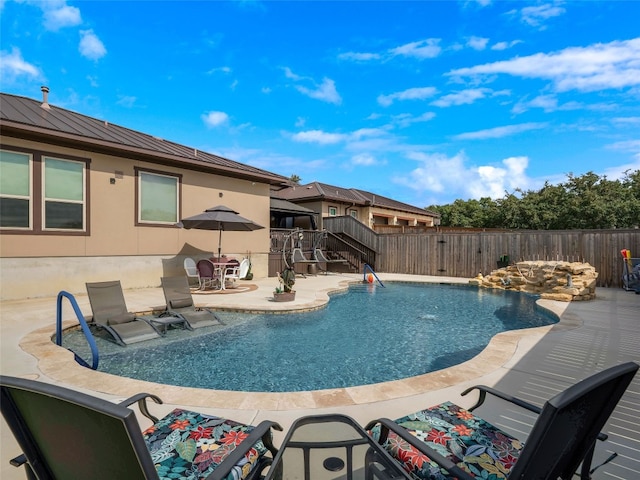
[117, 247]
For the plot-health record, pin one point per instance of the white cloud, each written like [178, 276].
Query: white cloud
[359, 56]
[550, 103]
[601, 66]
[224, 69]
[428, 48]
[126, 100]
[537, 14]
[406, 119]
[420, 93]
[494, 182]
[628, 146]
[477, 43]
[465, 181]
[325, 92]
[463, 97]
[499, 132]
[627, 120]
[326, 138]
[289, 74]
[60, 16]
[421, 49]
[364, 159]
[318, 136]
[505, 45]
[14, 67]
[428, 176]
[90, 45]
[214, 119]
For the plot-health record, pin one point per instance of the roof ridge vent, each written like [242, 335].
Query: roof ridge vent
[45, 97]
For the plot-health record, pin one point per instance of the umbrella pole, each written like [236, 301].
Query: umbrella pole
[220, 245]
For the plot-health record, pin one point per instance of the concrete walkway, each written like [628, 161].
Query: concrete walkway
[533, 364]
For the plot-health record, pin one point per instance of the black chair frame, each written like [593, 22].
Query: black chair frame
[541, 457]
[56, 428]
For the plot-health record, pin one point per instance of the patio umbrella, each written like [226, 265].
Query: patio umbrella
[219, 218]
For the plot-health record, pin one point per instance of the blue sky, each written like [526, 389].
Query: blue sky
[425, 102]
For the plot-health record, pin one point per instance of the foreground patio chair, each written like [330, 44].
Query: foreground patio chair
[447, 441]
[65, 434]
[180, 303]
[110, 313]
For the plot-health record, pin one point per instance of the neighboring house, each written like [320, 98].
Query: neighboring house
[368, 208]
[83, 200]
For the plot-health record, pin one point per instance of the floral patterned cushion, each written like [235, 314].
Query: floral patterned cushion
[473, 444]
[187, 445]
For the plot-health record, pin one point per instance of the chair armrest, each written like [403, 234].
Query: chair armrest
[261, 432]
[141, 398]
[19, 460]
[387, 425]
[483, 389]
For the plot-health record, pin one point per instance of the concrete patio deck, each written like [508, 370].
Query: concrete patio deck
[533, 364]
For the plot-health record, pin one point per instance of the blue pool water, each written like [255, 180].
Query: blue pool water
[367, 335]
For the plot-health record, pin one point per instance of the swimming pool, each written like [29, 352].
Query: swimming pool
[367, 335]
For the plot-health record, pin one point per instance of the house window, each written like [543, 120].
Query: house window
[15, 190]
[158, 198]
[43, 193]
[354, 214]
[333, 211]
[64, 194]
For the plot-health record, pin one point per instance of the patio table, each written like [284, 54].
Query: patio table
[332, 446]
[223, 270]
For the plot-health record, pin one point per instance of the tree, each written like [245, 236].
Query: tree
[581, 202]
[295, 179]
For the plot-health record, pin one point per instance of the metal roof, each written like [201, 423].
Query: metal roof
[323, 191]
[25, 117]
[284, 206]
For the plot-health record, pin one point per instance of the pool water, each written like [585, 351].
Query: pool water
[367, 335]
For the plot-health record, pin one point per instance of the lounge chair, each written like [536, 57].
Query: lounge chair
[320, 257]
[110, 313]
[180, 303]
[298, 257]
[65, 434]
[447, 441]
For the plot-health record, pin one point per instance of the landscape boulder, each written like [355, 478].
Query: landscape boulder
[563, 281]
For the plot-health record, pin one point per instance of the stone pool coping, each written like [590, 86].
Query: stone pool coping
[58, 364]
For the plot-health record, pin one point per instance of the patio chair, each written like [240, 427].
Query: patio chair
[233, 273]
[192, 270]
[447, 441]
[180, 304]
[65, 434]
[209, 274]
[110, 314]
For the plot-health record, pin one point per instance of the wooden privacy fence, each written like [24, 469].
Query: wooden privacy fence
[456, 254]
